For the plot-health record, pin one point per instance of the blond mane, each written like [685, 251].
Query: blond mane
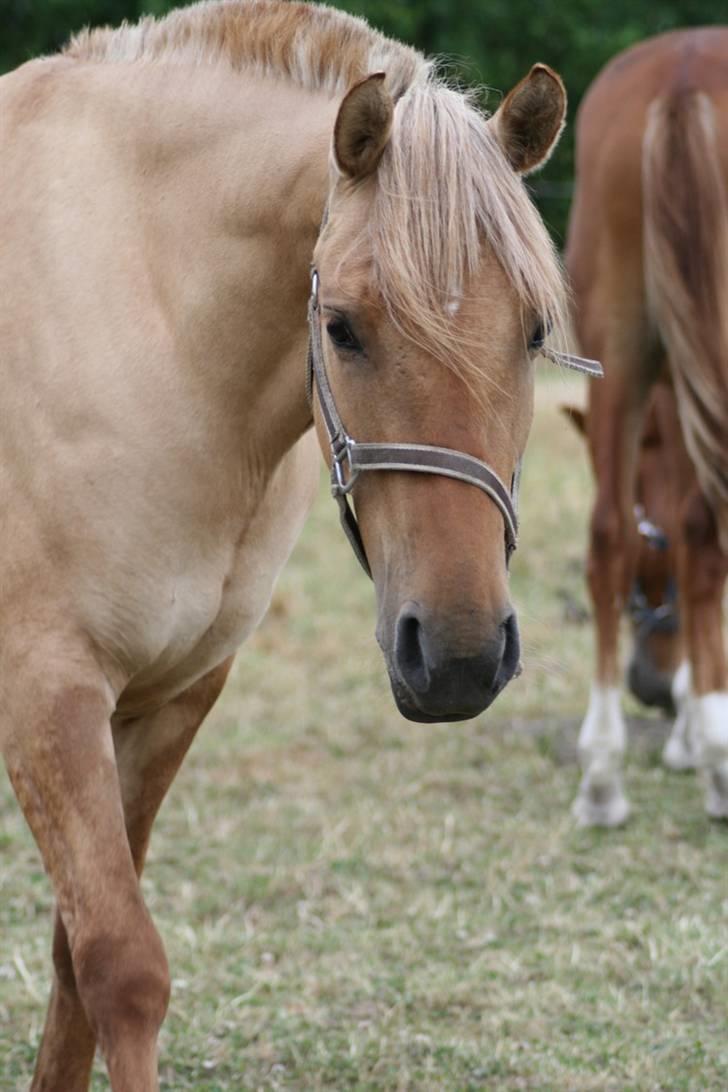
[316, 47]
[444, 183]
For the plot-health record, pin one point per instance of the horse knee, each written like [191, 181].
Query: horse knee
[607, 554]
[124, 982]
[605, 531]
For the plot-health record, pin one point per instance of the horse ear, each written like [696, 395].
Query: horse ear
[576, 416]
[530, 119]
[362, 127]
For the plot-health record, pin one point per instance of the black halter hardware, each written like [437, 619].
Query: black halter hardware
[349, 458]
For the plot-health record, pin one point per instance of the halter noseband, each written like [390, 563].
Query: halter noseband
[351, 458]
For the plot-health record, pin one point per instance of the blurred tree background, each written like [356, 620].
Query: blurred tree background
[490, 42]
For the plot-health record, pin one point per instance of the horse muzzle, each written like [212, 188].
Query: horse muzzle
[432, 683]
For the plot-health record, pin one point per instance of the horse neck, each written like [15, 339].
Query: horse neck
[237, 171]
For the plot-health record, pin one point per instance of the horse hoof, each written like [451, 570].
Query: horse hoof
[612, 812]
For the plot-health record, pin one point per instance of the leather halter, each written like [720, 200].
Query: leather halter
[351, 458]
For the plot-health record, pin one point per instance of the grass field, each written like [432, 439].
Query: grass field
[349, 900]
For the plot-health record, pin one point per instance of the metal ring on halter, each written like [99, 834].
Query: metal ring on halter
[341, 485]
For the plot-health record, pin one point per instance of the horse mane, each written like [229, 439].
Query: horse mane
[316, 47]
[444, 183]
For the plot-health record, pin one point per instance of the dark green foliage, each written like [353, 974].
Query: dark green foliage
[491, 42]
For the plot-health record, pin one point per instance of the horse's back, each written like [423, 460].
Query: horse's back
[611, 120]
[605, 244]
[694, 58]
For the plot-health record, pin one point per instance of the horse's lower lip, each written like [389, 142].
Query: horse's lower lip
[410, 710]
[410, 713]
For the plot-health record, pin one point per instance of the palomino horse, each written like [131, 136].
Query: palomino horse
[648, 258]
[163, 188]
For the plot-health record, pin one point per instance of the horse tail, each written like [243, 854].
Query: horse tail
[686, 276]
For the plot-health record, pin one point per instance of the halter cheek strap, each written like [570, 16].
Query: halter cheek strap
[350, 458]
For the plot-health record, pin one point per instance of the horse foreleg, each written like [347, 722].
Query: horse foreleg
[703, 568]
[57, 743]
[148, 752]
[610, 569]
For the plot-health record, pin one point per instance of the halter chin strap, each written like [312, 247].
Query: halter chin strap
[350, 458]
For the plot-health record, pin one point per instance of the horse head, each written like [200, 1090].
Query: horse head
[435, 281]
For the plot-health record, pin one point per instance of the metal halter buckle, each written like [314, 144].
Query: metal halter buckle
[342, 482]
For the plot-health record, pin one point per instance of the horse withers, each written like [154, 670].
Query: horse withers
[163, 192]
[648, 258]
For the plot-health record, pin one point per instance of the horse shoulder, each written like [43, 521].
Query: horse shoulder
[213, 608]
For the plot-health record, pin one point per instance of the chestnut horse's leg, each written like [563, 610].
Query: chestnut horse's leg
[149, 751]
[703, 568]
[679, 752]
[616, 413]
[57, 744]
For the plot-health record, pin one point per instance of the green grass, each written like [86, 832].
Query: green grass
[349, 900]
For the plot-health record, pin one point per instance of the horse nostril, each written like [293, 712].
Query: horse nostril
[410, 652]
[511, 656]
[431, 681]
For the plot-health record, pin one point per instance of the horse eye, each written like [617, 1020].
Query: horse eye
[342, 335]
[539, 336]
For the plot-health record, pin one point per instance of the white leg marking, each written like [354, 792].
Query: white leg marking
[711, 730]
[601, 801]
[681, 688]
[680, 751]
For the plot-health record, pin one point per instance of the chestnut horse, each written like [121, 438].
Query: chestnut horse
[163, 190]
[648, 259]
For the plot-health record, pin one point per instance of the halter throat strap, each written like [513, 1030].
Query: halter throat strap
[351, 458]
